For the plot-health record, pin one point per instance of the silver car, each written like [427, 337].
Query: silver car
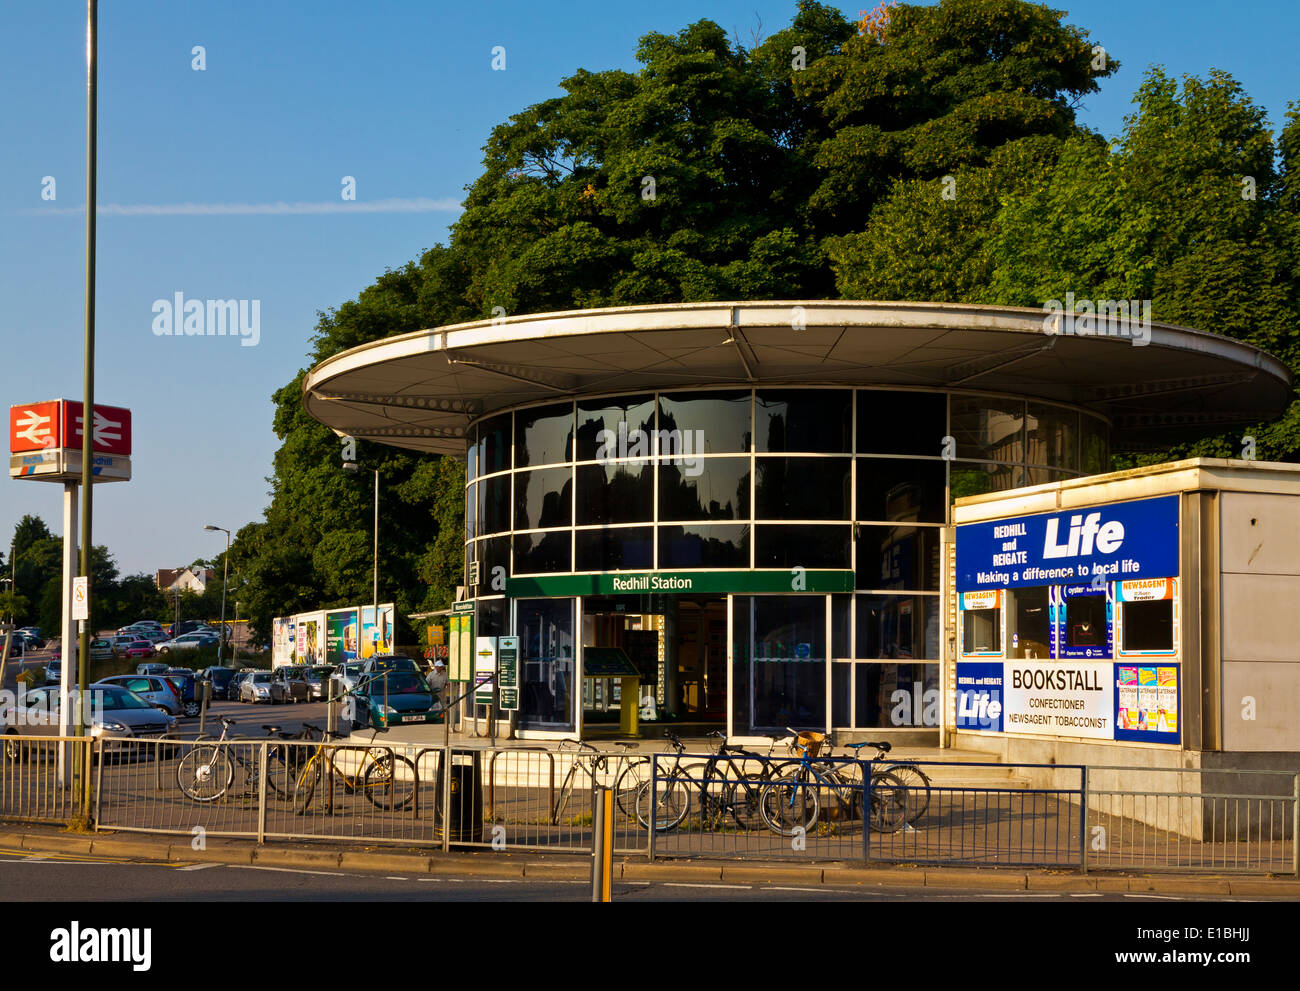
[153, 689]
[112, 714]
[256, 687]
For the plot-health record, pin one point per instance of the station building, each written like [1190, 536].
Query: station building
[767, 507]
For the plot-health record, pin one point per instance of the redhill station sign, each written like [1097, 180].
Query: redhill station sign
[45, 442]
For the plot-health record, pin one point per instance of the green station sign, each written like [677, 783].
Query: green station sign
[774, 582]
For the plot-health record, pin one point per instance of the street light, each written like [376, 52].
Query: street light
[225, 571]
[353, 467]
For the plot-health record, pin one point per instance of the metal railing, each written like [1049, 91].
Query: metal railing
[1192, 819]
[699, 805]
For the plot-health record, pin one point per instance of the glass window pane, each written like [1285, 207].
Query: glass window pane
[543, 498]
[542, 553]
[493, 553]
[898, 626]
[841, 696]
[1096, 446]
[495, 512]
[1028, 622]
[803, 421]
[494, 444]
[1051, 436]
[988, 429]
[965, 479]
[471, 454]
[840, 625]
[802, 489]
[787, 546]
[717, 421]
[545, 628]
[901, 696]
[615, 493]
[473, 495]
[712, 489]
[492, 618]
[898, 557]
[899, 490]
[901, 422]
[704, 546]
[780, 674]
[1148, 625]
[544, 435]
[622, 549]
[621, 427]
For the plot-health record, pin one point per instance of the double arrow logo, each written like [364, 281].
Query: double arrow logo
[35, 430]
[104, 429]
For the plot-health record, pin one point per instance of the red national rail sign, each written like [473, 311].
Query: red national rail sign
[57, 424]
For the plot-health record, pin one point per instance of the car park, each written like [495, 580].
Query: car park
[400, 698]
[154, 689]
[115, 715]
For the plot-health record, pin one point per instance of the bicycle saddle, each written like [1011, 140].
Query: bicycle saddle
[273, 730]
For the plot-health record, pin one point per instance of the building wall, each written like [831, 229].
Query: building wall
[1260, 621]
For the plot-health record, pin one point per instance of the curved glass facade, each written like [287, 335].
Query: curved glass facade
[831, 478]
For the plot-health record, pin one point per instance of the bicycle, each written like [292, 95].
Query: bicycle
[791, 803]
[388, 780]
[667, 807]
[907, 771]
[727, 789]
[634, 771]
[207, 772]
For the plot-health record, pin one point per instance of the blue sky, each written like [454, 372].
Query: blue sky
[400, 96]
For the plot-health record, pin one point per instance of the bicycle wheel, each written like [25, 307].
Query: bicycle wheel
[204, 774]
[305, 787]
[668, 807]
[629, 783]
[888, 803]
[917, 783]
[280, 776]
[390, 782]
[788, 804]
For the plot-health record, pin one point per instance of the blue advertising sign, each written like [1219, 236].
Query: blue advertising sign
[979, 696]
[1083, 621]
[1118, 541]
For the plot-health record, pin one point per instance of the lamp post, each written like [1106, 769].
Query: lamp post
[225, 571]
[352, 466]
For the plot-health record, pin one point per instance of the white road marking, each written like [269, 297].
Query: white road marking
[683, 884]
[197, 867]
[774, 887]
[1021, 894]
[287, 870]
[1085, 894]
[392, 877]
[1163, 898]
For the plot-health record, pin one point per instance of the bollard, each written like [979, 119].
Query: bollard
[602, 844]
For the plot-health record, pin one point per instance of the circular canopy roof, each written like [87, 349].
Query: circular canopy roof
[422, 390]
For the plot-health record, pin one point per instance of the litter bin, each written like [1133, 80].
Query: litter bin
[464, 817]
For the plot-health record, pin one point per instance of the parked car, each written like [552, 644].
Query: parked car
[190, 626]
[256, 687]
[33, 630]
[232, 690]
[139, 648]
[186, 641]
[317, 678]
[53, 671]
[346, 676]
[153, 689]
[101, 649]
[185, 682]
[30, 641]
[221, 679]
[289, 684]
[115, 715]
[388, 662]
[403, 697]
[153, 667]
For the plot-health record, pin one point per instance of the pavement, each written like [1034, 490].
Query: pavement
[39, 839]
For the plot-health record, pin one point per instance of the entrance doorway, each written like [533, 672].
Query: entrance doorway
[678, 644]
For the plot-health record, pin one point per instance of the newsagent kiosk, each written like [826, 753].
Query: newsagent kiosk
[742, 511]
[1147, 617]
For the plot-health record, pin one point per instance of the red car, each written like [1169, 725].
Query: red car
[140, 648]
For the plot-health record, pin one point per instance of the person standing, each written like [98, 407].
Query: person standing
[438, 681]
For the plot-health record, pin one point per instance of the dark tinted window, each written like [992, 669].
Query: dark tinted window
[803, 420]
[712, 489]
[725, 546]
[622, 549]
[495, 513]
[617, 493]
[622, 427]
[802, 489]
[1051, 437]
[544, 435]
[895, 626]
[541, 553]
[988, 429]
[901, 557]
[901, 422]
[719, 421]
[786, 546]
[494, 444]
[901, 490]
[543, 498]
